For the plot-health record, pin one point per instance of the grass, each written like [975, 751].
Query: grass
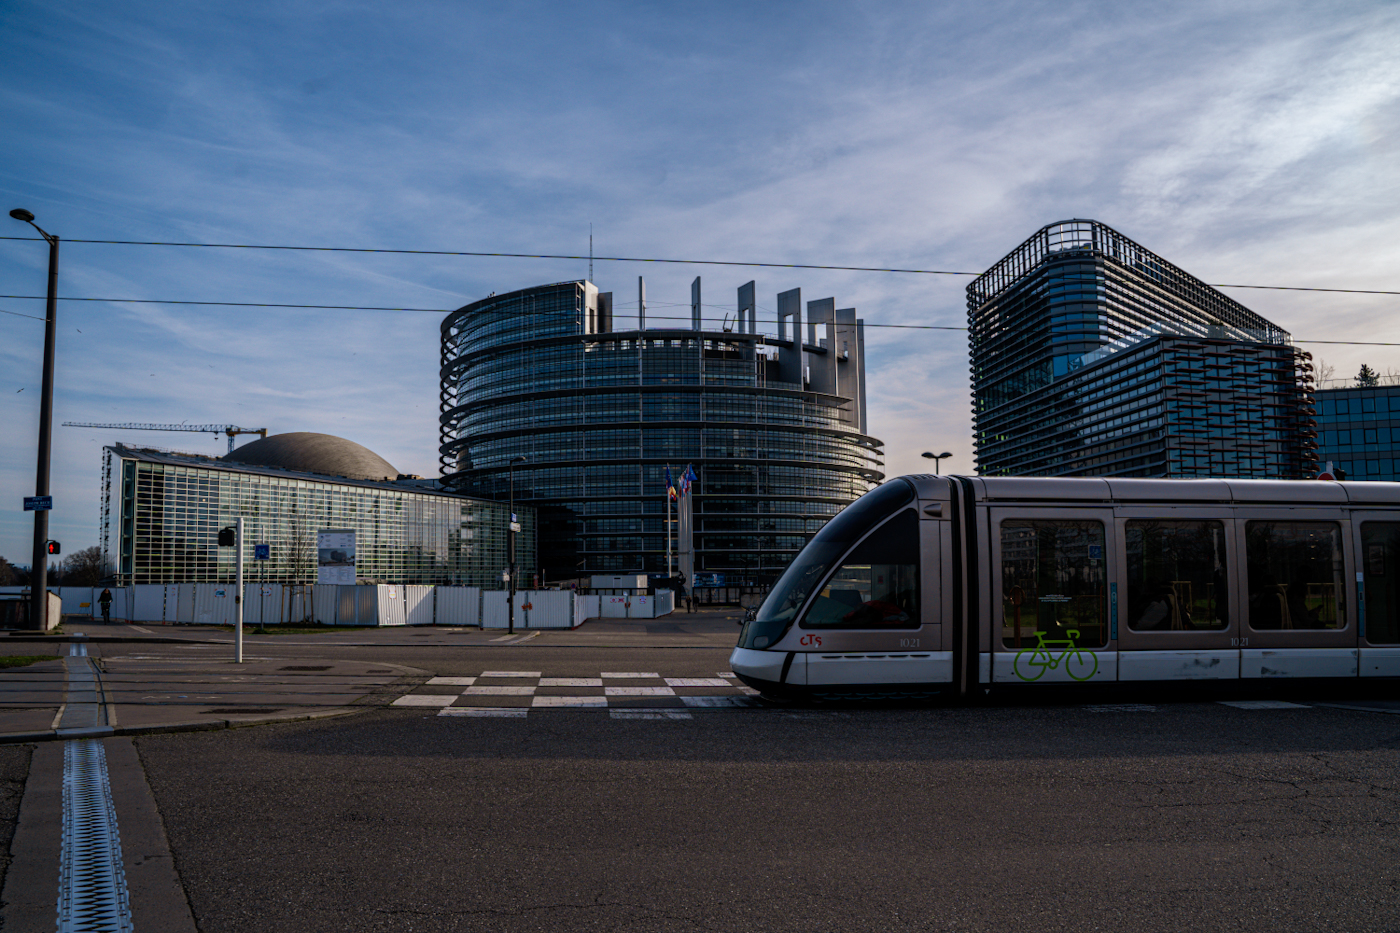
[24, 660]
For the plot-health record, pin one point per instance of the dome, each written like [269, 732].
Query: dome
[315, 453]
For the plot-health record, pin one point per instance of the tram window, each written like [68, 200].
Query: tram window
[1380, 551]
[1176, 576]
[877, 585]
[1053, 582]
[1295, 575]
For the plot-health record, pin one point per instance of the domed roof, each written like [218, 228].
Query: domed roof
[315, 453]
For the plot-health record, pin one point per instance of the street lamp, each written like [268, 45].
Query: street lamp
[935, 458]
[39, 575]
[510, 557]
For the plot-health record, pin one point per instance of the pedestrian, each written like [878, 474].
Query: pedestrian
[105, 601]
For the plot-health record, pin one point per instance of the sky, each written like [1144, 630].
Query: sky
[1253, 142]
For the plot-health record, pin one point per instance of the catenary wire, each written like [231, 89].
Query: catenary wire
[659, 317]
[693, 262]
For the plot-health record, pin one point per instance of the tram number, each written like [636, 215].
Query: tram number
[1239, 643]
[812, 641]
[908, 643]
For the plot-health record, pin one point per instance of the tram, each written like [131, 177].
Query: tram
[960, 585]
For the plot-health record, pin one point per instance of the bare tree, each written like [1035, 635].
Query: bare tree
[8, 574]
[1324, 372]
[301, 558]
[83, 568]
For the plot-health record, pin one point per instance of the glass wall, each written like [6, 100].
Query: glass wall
[165, 518]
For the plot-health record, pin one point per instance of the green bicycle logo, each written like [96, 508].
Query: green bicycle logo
[1032, 662]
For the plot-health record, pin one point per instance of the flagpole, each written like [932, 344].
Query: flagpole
[669, 572]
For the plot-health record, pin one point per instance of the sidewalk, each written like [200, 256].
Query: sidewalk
[80, 695]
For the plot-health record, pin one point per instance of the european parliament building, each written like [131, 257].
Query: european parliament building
[1092, 356]
[542, 394]
[162, 511]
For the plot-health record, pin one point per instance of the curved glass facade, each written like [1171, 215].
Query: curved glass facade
[590, 418]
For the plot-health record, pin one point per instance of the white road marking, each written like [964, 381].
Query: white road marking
[499, 691]
[730, 674]
[421, 699]
[499, 712]
[649, 714]
[626, 674]
[571, 681]
[639, 692]
[697, 682]
[1261, 704]
[453, 681]
[510, 673]
[140, 629]
[570, 701]
[703, 702]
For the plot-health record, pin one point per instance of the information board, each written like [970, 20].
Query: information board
[335, 556]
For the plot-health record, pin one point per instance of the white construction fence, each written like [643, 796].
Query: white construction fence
[369, 605]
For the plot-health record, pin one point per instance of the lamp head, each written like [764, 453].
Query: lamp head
[20, 213]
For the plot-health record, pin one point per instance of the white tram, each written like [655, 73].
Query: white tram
[950, 584]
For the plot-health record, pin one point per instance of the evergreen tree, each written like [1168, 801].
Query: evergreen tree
[1367, 377]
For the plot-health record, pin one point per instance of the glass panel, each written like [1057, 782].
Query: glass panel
[1295, 575]
[877, 585]
[1176, 576]
[1052, 582]
[811, 564]
[1380, 557]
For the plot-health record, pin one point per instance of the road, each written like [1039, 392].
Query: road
[1142, 813]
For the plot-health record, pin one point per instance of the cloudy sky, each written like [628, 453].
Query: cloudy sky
[1249, 142]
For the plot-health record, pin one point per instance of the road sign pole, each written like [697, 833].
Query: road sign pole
[39, 569]
[238, 596]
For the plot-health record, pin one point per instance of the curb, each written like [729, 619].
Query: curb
[192, 725]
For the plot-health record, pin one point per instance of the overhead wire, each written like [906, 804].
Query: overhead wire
[644, 259]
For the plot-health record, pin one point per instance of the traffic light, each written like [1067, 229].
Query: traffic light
[226, 537]
[55, 547]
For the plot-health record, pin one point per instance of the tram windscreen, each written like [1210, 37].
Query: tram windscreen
[810, 566]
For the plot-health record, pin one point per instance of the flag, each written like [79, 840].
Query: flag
[687, 478]
[670, 485]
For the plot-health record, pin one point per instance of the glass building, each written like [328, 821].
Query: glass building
[162, 511]
[538, 389]
[1359, 431]
[1091, 356]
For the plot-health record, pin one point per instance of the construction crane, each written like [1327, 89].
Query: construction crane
[232, 430]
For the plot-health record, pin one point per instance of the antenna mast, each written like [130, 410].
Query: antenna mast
[590, 252]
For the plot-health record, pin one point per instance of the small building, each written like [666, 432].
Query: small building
[1358, 430]
[162, 512]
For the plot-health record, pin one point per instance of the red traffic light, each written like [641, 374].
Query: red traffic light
[54, 547]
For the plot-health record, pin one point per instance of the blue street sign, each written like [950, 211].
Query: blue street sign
[38, 503]
[262, 552]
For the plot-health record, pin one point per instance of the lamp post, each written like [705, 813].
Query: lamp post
[510, 557]
[39, 574]
[935, 458]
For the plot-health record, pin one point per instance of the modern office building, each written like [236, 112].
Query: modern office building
[540, 392]
[1358, 430]
[162, 511]
[1092, 356]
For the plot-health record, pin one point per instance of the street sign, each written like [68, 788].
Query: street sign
[515, 526]
[38, 503]
[262, 552]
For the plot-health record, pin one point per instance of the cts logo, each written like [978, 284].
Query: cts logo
[811, 641]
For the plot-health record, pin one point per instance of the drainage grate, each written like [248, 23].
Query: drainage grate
[92, 893]
[306, 667]
[379, 670]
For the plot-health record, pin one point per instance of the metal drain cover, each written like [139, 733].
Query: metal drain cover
[241, 710]
[305, 667]
[92, 894]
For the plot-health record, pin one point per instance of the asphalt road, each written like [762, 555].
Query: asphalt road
[1137, 812]
[1190, 816]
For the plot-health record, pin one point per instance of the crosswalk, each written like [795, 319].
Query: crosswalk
[623, 694]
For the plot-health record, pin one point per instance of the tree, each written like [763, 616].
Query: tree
[1367, 377]
[83, 568]
[8, 575]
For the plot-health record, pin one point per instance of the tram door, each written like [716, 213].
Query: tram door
[1298, 593]
[1377, 549]
[1052, 579]
[1179, 616]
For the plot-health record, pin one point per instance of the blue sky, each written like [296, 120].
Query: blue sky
[1250, 142]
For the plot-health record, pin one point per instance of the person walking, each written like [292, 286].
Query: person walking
[105, 601]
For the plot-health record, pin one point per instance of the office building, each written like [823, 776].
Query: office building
[162, 511]
[540, 390]
[1358, 430]
[1092, 356]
